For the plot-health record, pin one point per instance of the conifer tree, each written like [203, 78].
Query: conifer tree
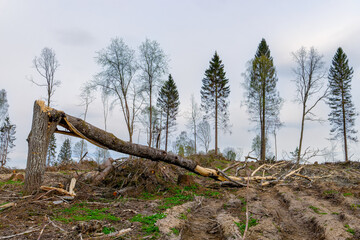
[65, 152]
[342, 115]
[263, 100]
[7, 138]
[214, 93]
[168, 102]
[51, 153]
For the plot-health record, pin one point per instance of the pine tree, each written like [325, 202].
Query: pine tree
[214, 93]
[64, 156]
[168, 102]
[51, 153]
[263, 100]
[7, 138]
[342, 115]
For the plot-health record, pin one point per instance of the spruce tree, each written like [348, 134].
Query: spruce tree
[214, 93]
[64, 156]
[342, 115]
[263, 100]
[51, 153]
[168, 102]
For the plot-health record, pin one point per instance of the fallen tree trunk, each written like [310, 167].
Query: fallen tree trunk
[45, 121]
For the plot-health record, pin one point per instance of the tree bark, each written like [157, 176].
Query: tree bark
[216, 123]
[263, 127]
[301, 134]
[344, 125]
[44, 123]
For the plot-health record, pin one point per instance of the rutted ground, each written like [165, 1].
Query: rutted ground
[326, 208]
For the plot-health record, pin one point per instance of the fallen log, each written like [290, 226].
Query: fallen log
[45, 121]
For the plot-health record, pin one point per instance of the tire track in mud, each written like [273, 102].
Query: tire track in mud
[202, 224]
[317, 214]
[282, 224]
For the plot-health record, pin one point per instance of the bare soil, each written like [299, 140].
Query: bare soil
[199, 208]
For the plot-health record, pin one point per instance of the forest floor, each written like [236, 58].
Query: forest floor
[148, 200]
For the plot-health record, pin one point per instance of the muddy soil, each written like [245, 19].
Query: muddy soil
[326, 208]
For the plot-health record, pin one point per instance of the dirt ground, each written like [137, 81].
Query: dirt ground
[148, 202]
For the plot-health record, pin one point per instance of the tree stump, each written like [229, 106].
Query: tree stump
[44, 123]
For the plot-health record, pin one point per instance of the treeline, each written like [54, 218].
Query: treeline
[133, 81]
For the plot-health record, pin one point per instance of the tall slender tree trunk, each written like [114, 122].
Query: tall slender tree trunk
[216, 123]
[150, 118]
[344, 126]
[263, 137]
[301, 134]
[275, 145]
[167, 131]
[195, 136]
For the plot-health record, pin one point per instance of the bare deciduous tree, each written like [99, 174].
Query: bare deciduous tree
[153, 64]
[193, 118]
[310, 73]
[46, 65]
[204, 134]
[87, 97]
[117, 78]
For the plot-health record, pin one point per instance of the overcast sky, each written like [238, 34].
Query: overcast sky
[189, 32]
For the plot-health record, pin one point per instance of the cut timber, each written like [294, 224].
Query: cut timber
[46, 119]
[108, 167]
[8, 205]
[72, 186]
[59, 190]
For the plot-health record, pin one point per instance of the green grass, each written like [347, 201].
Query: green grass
[316, 210]
[242, 225]
[175, 231]
[348, 194]
[148, 222]
[354, 206]
[183, 216]
[211, 194]
[177, 199]
[79, 212]
[11, 182]
[327, 192]
[147, 196]
[350, 230]
[107, 230]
